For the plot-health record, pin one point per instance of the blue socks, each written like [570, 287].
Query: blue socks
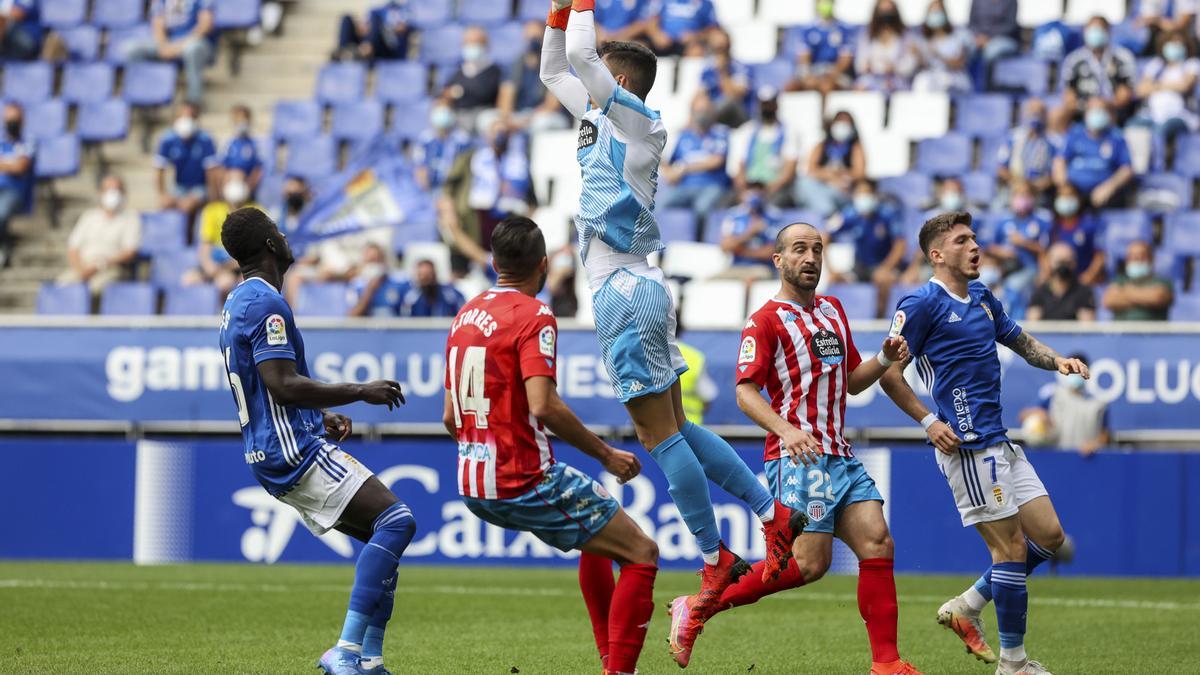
[1012, 604]
[1034, 555]
[722, 466]
[375, 580]
[689, 490]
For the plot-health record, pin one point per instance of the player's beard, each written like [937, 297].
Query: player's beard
[795, 277]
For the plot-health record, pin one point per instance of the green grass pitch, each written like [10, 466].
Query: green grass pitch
[117, 618]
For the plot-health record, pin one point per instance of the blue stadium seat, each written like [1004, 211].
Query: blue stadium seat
[168, 267]
[531, 10]
[87, 82]
[897, 293]
[1187, 155]
[149, 83]
[949, 155]
[103, 121]
[118, 13]
[506, 44]
[484, 12]
[1183, 233]
[914, 218]
[989, 151]
[267, 152]
[357, 120]
[64, 13]
[409, 120]
[714, 223]
[27, 83]
[163, 232]
[401, 81]
[1022, 73]
[120, 39]
[57, 157]
[296, 119]
[129, 298]
[430, 13]
[83, 42]
[814, 218]
[774, 73]
[858, 300]
[1164, 192]
[236, 14]
[986, 225]
[312, 159]
[1185, 308]
[46, 119]
[53, 299]
[980, 187]
[198, 300]
[329, 299]
[1126, 225]
[983, 114]
[911, 189]
[441, 45]
[270, 190]
[341, 82]
[676, 224]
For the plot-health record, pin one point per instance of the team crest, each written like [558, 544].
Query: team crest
[748, 351]
[828, 309]
[898, 323]
[999, 495]
[816, 510]
[988, 310]
[276, 334]
[827, 346]
[546, 341]
[600, 490]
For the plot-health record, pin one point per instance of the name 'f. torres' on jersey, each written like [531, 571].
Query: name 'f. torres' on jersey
[499, 339]
[803, 356]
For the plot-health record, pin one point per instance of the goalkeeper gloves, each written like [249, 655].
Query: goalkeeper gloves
[560, 11]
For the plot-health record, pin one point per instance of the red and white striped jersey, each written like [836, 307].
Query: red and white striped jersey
[803, 356]
[499, 339]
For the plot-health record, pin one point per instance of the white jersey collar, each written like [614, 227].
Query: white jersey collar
[965, 301]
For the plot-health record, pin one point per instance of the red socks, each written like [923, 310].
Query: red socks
[632, 605]
[750, 588]
[596, 582]
[877, 604]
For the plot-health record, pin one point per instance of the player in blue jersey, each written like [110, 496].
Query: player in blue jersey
[284, 427]
[952, 325]
[620, 147]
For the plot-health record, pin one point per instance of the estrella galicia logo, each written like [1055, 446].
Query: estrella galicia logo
[828, 347]
[587, 134]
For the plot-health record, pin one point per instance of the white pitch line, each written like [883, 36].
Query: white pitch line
[797, 596]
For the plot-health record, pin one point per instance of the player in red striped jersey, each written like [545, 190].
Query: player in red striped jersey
[500, 400]
[799, 347]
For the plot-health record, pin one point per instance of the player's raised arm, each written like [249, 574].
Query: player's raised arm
[582, 54]
[545, 404]
[554, 73]
[290, 388]
[1039, 355]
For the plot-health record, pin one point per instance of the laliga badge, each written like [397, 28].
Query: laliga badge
[897, 324]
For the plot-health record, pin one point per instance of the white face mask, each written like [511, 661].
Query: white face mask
[112, 200]
[235, 192]
[473, 52]
[184, 127]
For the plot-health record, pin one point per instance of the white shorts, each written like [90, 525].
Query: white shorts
[990, 484]
[325, 490]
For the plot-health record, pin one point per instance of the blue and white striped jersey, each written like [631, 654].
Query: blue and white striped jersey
[280, 442]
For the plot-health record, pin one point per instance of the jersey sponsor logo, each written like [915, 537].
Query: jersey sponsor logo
[828, 347]
[954, 318]
[988, 310]
[749, 350]
[587, 135]
[255, 456]
[546, 341]
[478, 318]
[816, 510]
[276, 333]
[477, 451]
[962, 411]
[898, 323]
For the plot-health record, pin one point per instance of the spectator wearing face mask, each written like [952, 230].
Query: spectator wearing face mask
[1029, 153]
[748, 234]
[476, 84]
[296, 197]
[942, 53]
[190, 153]
[877, 231]
[241, 153]
[726, 81]
[376, 291]
[1166, 85]
[16, 174]
[834, 166]
[1095, 159]
[1097, 69]
[1067, 416]
[426, 296]
[1082, 231]
[1062, 297]
[436, 148]
[1020, 241]
[825, 56]
[105, 240]
[885, 58]
[215, 265]
[772, 152]
[694, 175]
[183, 31]
[1138, 294]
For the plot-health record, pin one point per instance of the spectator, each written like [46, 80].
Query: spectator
[375, 289]
[1051, 42]
[1097, 69]
[476, 85]
[183, 30]
[884, 58]
[624, 20]
[190, 152]
[560, 278]
[242, 152]
[436, 148]
[727, 82]
[680, 26]
[825, 56]
[1164, 16]
[1166, 85]
[337, 259]
[16, 175]
[877, 232]
[748, 234]
[997, 33]
[523, 96]
[949, 195]
[697, 388]
[1020, 241]
[1068, 417]
[382, 36]
[1029, 153]
[425, 296]
[21, 23]
[834, 166]
[1082, 231]
[943, 54]
[296, 197]
[1095, 159]
[695, 171]
[991, 274]
[1139, 294]
[215, 265]
[105, 240]
[1063, 297]
[771, 153]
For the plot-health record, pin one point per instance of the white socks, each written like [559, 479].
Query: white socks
[768, 515]
[712, 558]
[974, 599]
[370, 662]
[1013, 654]
[345, 644]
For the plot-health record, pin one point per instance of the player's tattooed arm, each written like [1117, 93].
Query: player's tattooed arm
[1035, 352]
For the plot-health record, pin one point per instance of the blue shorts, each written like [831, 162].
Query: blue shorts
[565, 510]
[635, 321]
[821, 491]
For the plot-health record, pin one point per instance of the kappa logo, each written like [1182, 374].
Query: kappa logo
[636, 386]
[544, 311]
[816, 510]
[489, 296]
[791, 499]
[751, 324]
[954, 318]
[791, 481]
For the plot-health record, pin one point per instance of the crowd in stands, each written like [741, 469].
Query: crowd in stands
[1069, 139]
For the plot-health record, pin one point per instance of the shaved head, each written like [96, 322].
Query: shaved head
[790, 232]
